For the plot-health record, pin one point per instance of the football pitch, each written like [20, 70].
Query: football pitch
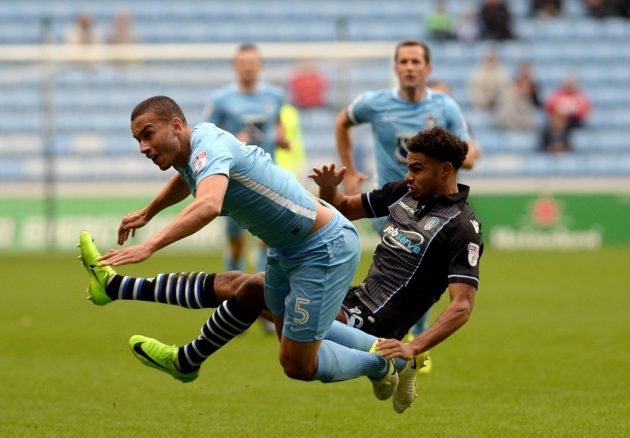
[546, 353]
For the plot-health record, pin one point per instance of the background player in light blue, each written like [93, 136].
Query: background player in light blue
[313, 249]
[395, 116]
[250, 110]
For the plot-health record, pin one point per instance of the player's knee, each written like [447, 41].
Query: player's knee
[297, 369]
[252, 292]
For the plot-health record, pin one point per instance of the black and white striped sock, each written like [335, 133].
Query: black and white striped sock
[193, 290]
[229, 320]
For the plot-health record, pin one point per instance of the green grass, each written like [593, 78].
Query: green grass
[546, 353]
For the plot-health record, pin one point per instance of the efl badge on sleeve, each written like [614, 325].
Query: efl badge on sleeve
[200, 161]
[473, 254]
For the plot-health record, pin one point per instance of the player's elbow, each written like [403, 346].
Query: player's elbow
[207, 211]
[464, 312]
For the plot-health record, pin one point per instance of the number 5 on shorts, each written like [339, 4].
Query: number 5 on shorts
[299, 309]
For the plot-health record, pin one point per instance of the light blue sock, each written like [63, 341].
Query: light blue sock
[356, 339]
[421, 325]
[336, 363]
[261, 263]
[351, 337]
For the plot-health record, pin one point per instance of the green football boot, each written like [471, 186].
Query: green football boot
[384, 387]
[97, 275]
[155, 354]
[406, 392]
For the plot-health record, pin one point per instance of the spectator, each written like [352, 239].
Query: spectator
[487, 81]
[495, 20]
[514, 107]
[555, 135]
[307, 85]
[122, 29]
[439, 23]
[83, 31]
[468, 25]
[569, 101]
[525, 73]
[546, 8]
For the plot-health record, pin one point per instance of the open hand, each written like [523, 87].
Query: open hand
[327, 176]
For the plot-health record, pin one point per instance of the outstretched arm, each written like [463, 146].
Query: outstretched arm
[452, 318]
[206, 206]
[328, 179]
[176, 190]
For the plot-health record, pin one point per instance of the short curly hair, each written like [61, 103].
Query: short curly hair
[439, 144]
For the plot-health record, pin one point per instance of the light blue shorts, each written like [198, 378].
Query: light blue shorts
[308, 284]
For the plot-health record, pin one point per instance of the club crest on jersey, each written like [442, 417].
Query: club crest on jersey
[473, 254]
[431, 223]
[409, 241]
[200, 161]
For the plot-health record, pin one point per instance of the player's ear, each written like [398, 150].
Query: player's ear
[177, 124]
[446, 169]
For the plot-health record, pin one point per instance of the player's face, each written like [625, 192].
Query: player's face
[159, 140]
[411, 68]
[424, 177]
[247, 65]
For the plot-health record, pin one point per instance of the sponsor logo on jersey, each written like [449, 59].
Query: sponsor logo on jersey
[389, 118]
[430, 121]
[409, 241]
[431, 223]
[406, 207]
[473, 254]
[401, 146]
[200, 161]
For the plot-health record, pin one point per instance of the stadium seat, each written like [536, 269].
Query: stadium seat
[90, 106]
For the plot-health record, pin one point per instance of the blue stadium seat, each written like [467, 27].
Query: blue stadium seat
[91, 106]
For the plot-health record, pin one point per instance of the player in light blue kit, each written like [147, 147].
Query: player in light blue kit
[250, 110]
[313, 250]
[396, 115]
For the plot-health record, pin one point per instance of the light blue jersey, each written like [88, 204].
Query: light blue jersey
[260, 196]
[394, 121]
[307, 274]
[257, 112]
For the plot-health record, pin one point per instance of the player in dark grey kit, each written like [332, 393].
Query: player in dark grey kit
[431, 241]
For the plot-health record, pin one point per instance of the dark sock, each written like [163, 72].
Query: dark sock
[193, 290]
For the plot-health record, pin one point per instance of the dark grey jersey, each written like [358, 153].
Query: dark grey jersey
[423, 248]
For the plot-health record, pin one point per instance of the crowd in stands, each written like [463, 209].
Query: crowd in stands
[515, 102]
[84, 32]
[504, 92]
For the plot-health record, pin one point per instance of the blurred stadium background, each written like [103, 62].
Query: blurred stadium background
[545, 353]
[67, 159]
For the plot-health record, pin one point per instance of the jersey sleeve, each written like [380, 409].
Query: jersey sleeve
[456, 123]
[211, 154]
[360, 110]
[465, 251]
[376, 203]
